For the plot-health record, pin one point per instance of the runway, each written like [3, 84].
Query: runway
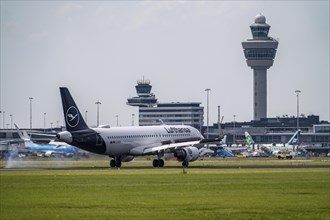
[169, 167]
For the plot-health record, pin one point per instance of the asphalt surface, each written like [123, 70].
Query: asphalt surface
[169, 167]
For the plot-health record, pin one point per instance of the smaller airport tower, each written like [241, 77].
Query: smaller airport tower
[145, 98]
[260, 53]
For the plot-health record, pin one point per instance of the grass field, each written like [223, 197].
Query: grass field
[272, 193]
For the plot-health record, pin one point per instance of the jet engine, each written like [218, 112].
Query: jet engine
[187, 154]
[48, 154]
[65, 136]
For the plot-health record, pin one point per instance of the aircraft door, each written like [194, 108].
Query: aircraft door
[98, 140]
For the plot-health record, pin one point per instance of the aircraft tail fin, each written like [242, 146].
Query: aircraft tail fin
[249, 139]
[225, 153]
[294, 139]
[72, 116]
[224, 139]
[25, 137]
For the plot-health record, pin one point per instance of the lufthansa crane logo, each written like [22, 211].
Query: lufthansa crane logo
[72, 116]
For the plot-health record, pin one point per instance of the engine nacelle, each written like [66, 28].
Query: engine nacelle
[65, 136]
[48, 154]
[187, 154]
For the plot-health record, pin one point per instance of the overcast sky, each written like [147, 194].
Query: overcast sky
[100, 49]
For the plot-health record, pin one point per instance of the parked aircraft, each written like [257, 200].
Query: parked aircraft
[275, 148]
[124, 143]
[53, 148]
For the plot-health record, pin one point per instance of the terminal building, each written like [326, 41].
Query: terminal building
[175, 113]
[315, 134]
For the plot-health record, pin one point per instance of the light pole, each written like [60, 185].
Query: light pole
[297, 92]
[44, 121]
[58, 123]
[11, 121]
[133, 119]
[51, 125]
[234, 135]
[117, 120]
[207, 113]
[98, 113]
[86, 116]
[31, 98]
[3, 119]
[219, 126]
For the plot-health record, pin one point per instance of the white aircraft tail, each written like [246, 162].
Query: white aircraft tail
[249, 139]
[294, 139]
[224, 139]
[25, 137]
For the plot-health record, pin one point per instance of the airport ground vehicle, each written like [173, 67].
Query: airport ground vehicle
[283, 155]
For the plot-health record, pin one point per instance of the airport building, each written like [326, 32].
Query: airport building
[260, 53]
[152, 112]
[315, 133]
[277, 130]
[175, 113]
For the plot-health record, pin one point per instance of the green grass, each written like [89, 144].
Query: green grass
[166, 194]
[147, 161]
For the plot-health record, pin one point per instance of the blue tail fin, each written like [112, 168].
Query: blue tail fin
[225, 153]
[72, 116]
[294, 139]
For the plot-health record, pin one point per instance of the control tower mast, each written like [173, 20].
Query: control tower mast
[260, 53]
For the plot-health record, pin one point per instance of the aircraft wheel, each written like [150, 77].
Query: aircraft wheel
[112, 163]
[118, 163]
[155, 163]
[185, 164]
[161, 163]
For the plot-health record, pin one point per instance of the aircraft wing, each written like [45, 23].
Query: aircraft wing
[151, 149]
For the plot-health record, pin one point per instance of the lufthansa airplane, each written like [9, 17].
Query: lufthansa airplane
[124, 143]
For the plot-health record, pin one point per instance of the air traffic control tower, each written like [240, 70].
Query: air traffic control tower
[260, 53]
[145, 98]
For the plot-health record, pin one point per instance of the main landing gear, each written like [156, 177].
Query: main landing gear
[158, 163]
[185, 163]
[116, 162]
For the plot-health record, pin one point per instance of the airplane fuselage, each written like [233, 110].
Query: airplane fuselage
[64, 149]
[121, 140]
